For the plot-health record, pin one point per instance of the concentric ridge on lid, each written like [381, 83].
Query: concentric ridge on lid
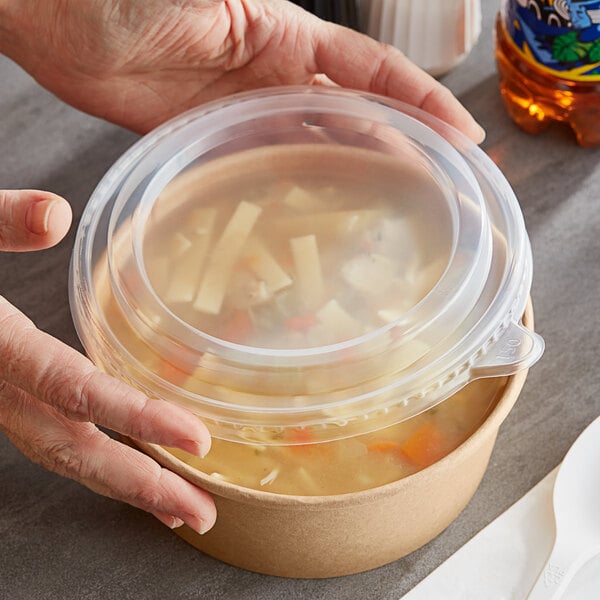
[383, 376]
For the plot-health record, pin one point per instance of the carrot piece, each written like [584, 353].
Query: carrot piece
[384, 447]
[301, 435]
[301, 440]
[172, 374]
[301, 322]
[425, 446]
[239, 328]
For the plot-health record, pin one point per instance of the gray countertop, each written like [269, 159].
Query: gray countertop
[58, 540]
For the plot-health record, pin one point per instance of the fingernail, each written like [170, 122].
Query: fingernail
[171, 521]
[196, 523]
[192, 447]
[481, 133]
[38, 215]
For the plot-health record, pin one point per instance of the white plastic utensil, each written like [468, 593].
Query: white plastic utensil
[576, 502]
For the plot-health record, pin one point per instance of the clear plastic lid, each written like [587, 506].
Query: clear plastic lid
[303, 257]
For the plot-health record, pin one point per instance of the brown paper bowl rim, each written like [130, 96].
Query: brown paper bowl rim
[251, 496]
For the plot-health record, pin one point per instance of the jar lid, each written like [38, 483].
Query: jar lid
[303, 257]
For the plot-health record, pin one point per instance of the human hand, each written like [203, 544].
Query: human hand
[140, 63]
[51, 397]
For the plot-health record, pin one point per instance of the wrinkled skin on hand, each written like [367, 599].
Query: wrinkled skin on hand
[52, 397]
[139, 63]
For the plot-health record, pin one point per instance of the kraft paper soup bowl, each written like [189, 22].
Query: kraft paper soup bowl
[329, 536]
[306, 269]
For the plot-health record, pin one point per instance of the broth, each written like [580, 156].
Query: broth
[357, 463]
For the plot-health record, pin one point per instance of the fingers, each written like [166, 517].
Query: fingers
[123, 473]
[83, 453]
[356, 61]
[32, 220]
[61, 377]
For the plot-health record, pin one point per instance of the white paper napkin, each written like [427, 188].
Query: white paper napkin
[503, 560]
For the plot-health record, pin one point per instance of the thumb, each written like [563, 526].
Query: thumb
[32, 220]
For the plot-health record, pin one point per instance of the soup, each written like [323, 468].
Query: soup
[290, 249]
[356, 463]
[297, 246]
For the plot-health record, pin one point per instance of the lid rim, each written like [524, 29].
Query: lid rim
[85, 304]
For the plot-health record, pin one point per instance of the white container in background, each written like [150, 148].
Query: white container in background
[435, 34]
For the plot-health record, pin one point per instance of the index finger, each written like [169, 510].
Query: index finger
[354, 60]
[65, 379]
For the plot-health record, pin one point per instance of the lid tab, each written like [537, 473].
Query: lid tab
[516, 348]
